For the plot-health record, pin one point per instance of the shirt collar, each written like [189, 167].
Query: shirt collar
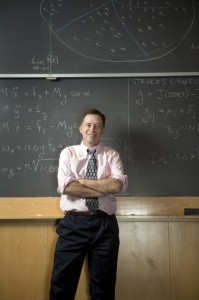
[84, 148]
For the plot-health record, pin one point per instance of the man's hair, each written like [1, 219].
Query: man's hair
[93, 111]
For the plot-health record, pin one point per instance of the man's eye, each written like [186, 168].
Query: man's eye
[97, 126]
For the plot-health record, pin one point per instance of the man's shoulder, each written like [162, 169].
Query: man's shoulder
[71, 148]
[107, 149]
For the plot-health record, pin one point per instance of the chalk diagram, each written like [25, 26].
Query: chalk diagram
[119, 31]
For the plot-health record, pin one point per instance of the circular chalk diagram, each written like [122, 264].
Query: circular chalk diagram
[120, 31]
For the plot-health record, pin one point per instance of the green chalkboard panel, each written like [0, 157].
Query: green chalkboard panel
[41, 117]
[53, 38]
[151, 121]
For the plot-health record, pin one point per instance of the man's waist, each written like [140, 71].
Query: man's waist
[106, 204]
[97, 212]
[85, 213]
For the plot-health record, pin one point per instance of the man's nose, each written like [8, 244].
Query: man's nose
[92, 127]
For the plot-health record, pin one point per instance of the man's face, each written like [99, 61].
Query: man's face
[91, 130]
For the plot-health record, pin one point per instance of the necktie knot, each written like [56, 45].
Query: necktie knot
[91, 153]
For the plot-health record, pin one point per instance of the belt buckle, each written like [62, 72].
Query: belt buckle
[96, 212]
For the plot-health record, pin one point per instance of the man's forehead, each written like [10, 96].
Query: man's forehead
[92, 119]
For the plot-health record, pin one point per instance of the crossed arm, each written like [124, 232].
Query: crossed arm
[87, 188]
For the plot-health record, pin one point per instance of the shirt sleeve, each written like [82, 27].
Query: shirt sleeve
[117, 170]
[65, 174]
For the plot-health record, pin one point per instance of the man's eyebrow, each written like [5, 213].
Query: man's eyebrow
[95, 124]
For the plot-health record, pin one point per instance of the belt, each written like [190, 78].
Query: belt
[85, 213]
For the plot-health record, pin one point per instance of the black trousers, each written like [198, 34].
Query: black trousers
[96, 236]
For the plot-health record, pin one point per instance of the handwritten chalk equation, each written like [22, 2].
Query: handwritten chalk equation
[39, 64]
[160, 103]
[39, 93]
[44, 166]
[166, 158]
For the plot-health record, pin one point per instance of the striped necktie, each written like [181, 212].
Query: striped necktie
[91, 173]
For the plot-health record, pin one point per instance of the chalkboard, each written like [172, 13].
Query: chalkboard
[53, 38]
[153, 123]
[41, 117]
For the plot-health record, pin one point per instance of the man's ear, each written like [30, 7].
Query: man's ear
[80, 129]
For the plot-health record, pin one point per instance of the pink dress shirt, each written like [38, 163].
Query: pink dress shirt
[72, 166]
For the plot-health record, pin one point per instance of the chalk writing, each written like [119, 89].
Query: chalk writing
[152, 122]
[165, 133]
[116, 28]
[38, 118]
[165, 158]
[174, 109]
[56, 38]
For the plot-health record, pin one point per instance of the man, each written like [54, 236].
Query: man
[84, 230]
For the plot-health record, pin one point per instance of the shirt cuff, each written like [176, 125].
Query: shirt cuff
[124, 180]
[63, 184]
